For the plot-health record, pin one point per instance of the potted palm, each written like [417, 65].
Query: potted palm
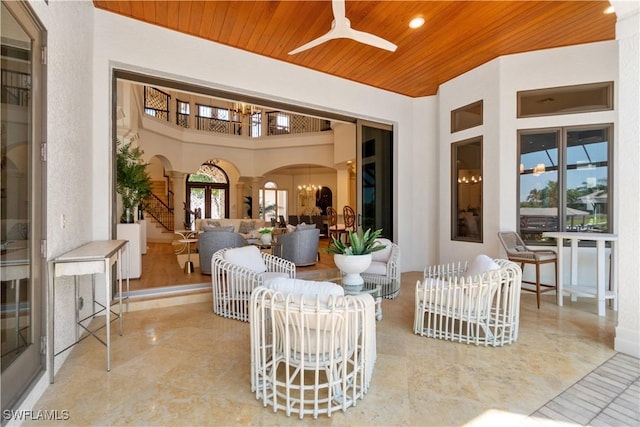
[354, 258]
[132, 180]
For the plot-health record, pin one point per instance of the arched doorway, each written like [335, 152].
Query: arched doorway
[208, 191]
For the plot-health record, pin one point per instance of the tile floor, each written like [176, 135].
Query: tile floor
[183, 365]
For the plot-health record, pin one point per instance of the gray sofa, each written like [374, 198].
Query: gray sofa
[210, 242]
[301, 246]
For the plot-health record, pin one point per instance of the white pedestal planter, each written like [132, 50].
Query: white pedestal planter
[352, 266]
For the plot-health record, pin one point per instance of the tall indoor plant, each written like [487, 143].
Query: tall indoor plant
[354, 258]
[132, 180]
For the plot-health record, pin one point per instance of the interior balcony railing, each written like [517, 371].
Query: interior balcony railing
[156, 103]
[230, 122]
[282, 123]
[218, 125]
[159, 211]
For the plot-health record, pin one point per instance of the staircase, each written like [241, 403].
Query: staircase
[160, 213]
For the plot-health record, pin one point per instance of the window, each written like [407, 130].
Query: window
[273, 202]
[182, 113]
[466, 185]
[565, 181]
[566, 100]
[466, 117]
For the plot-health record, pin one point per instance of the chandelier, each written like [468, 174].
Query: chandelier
[239, 110]
[309, 188]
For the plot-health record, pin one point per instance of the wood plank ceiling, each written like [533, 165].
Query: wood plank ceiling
[457, 36]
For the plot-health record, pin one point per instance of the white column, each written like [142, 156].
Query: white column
[255, 194]
[239, 212]
[627, 158]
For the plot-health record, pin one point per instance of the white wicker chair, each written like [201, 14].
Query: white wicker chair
[236, 272]
[385, 267]
[481, 309]
[311, 356]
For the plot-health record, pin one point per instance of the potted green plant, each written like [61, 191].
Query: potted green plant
[265, 235]
[355, 257]
[132, 180]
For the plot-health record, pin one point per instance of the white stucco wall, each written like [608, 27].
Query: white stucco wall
[196, 61]
[497, 83]
[628, 176]
[69, 136]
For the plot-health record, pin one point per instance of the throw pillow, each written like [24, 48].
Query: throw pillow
[307, 289]
[246, 256]
[246, 227]
[291, 228]
[481, 264]
[212, 223]
[211, 228]
[304, 226]
[384, 254]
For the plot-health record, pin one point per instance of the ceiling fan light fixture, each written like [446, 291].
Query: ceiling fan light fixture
[416, 22]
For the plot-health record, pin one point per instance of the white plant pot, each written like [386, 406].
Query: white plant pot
[352, 266]
[265, 238]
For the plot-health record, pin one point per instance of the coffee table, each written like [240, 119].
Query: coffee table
[377, 286]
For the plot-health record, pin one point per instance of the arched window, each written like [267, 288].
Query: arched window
[208, 190]
[273, 202]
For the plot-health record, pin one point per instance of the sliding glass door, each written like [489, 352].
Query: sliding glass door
[375, 184]
[22, 202]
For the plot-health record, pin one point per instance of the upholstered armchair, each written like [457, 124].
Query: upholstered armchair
[385, 267]
[210, 242]
[312, 349]
[300, 246]
[237, 271]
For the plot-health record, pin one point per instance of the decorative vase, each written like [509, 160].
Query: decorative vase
[127, 216]
[265, 238]
[352, 266]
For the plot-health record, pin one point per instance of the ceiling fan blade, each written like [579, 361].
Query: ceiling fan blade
[315, 42]
[372, 40]
[338, 7]
[341, 28]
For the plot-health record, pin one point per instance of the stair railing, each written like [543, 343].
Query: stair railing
[160, 212]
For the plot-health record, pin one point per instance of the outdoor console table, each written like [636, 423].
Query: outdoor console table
[575, 290]
[91, 258]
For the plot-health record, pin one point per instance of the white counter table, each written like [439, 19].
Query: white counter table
[91, 258]
[598, 291]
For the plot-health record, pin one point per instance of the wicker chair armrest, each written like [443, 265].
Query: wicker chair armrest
[277, 264]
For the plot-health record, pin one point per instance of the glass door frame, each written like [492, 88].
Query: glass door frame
[18, 377]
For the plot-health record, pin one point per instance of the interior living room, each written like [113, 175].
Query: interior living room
[498, 116]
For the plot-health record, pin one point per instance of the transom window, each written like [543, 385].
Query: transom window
[565, 181]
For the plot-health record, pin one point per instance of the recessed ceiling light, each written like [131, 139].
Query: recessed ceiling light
[609, 10]
[416, 22]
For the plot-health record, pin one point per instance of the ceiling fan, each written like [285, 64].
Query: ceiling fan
[341, 29]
